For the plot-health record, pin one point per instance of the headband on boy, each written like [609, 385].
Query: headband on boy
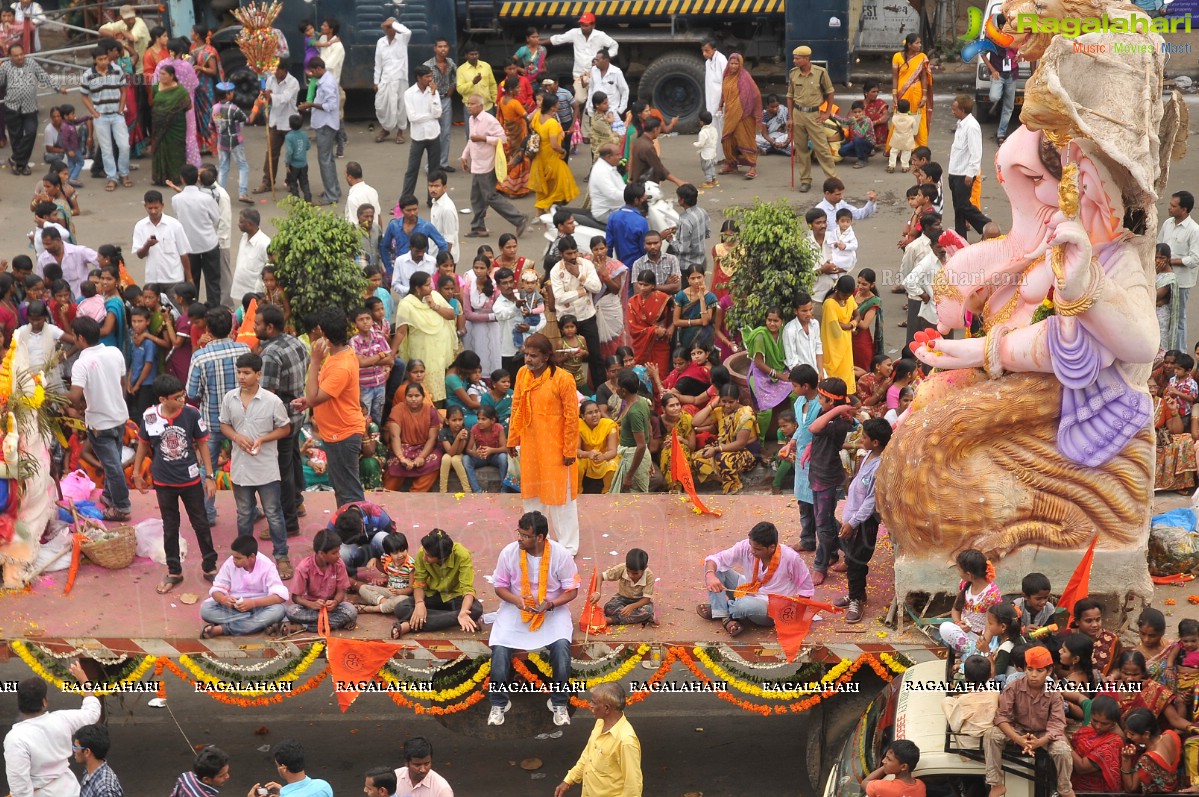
[1038, 657]
[829, 395]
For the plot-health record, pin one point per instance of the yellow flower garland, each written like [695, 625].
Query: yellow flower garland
[836, 672]
[616, 675]
[203, 677]
[893, 665]
[40, 671]
[748, 688]
[444, 695]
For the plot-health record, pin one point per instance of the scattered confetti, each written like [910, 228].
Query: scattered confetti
[1171, 602]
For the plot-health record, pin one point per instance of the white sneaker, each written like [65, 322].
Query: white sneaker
[561, 717]
[496, 717]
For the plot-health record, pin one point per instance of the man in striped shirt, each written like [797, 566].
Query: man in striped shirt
[102, 89]
[19, 79]
[90, 745]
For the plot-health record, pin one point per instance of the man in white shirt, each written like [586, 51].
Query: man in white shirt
[608, 78]
[37, 750]
[586, 41]
[834, 191]
[162, 243]
[76, 261]
[1181, 234]
[281, 92]
[422, 105]
[606, 186]
[200, 216]
[918, 252]
[391, 80]
[801, 337]
[511, 319]
[443, 214]
[415, 259]
[714, 64]
[224, 229]
[965, 168]
[96, 392]
[333, 53]
[251, 255]
[360, 194]
[576, 284]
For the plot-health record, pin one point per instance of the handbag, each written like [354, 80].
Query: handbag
[501, 163]
[533, 143]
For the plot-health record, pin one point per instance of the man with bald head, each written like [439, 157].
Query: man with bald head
[483, 132]
[605, 190]
[809, 87]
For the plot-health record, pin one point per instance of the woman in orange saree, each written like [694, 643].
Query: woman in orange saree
[912, 80]
[649, 323]
[514, 118]
[742, 104]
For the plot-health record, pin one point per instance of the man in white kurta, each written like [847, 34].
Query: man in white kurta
[391, 80]
[38, 748]
[714, 64]
[741, 579]
[534, 617]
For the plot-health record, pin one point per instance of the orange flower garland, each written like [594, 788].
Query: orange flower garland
[402, 700]
[233, 700]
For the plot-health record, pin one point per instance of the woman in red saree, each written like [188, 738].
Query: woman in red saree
[1149, 762]
[741, 102]
[648, 323]
[1133, 672]
[513, 116]
[1096, 749]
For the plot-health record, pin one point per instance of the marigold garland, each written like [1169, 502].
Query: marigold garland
[443, 695]
[30, 658]
[893, 663]
[237, 698]
[402, 701]
[748, 687]
[617, 674]
[199, 675]
[207, 670]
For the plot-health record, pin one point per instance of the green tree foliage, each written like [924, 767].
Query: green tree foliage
[314, 254]
[775, 261]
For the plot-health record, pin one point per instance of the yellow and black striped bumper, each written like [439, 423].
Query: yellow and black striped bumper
[621, 8]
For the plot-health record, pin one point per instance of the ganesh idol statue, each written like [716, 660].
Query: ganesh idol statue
[1033, 439]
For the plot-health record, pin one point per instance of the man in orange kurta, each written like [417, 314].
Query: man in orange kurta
[545, 424]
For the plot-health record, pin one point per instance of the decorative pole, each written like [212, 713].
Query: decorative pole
[258, 43]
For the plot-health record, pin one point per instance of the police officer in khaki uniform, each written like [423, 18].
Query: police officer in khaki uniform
[807, 88]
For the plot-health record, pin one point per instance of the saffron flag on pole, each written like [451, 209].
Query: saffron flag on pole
[245, 333]
[592, 619]
[1079, 585]
[353, 660]
[680, 471]
[793, 618]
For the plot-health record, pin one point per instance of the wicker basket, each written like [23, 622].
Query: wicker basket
[115, 553]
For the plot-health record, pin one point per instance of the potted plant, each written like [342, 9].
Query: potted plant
[314, 254]
[775, 261]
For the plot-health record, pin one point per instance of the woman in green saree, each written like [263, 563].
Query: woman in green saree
[169, 140]
[768, 376]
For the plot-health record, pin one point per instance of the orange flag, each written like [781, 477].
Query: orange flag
[353, 660]
[245, 334]
[680, 471]
[1080, 583]
[592, 620]
[792, 618]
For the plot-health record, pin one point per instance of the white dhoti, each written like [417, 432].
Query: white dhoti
[389, 105]
[563, 518]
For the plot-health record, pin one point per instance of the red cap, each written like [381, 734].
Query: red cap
[587, 19]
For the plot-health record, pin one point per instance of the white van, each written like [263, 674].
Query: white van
[949, 766]
[982, 78]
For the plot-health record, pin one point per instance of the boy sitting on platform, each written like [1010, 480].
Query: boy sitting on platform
[634, 599]
[321, 582]
[972, 714]
[247, 596]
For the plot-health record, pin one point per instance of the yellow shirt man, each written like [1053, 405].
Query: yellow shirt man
[610, 765]
[485, 87]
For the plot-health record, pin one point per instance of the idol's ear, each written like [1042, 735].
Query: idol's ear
[1101, 211]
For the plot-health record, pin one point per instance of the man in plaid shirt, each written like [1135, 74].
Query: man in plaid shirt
[212, 374]
[285, 373]
[90, 747]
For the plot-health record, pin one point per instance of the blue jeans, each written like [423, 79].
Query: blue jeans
[753, 608]
[356, 556]
[106, 443]
[215, 439]
[75, 165]
[108, 127]
[243, 169]
[858, 148]
[245, 496]
[1004, 88]
[824, 504]
[501, 671]
[499, 461]
[447, 124]
[372, 399]
[235, 623]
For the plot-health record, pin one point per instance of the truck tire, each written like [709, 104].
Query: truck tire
[831, 727]
[561, 68]
[674, 84]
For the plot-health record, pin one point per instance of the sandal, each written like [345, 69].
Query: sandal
[113, 514]
[168, 583]
[751, 174]
[127, 181]
[729, 170]
[210, 576]
[733, 627]
[704, 610]
[208, 632]
[397, 630]
[110, 186]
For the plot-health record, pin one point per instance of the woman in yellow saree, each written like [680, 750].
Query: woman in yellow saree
[742, 104]
[836, 331]
[912, 80]
[550, 177]
[516, 127]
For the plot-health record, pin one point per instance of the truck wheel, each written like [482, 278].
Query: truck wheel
[832, 726]
[561, 68]
[674, 84]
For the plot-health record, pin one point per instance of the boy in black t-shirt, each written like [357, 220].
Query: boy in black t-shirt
[825, 472]
[178, 438]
